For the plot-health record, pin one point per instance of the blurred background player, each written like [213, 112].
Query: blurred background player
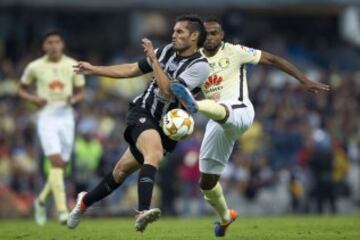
[57, 89]
[180, 60]
[229, 108]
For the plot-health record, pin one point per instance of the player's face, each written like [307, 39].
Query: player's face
[181, 37]
[53, 46]
[214, 35]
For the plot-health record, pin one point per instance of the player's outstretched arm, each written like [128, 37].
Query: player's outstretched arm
[161, 78]
[286, 66]
[115, 71]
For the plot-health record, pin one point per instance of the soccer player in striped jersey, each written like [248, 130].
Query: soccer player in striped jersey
[179, 61]
[229, 108]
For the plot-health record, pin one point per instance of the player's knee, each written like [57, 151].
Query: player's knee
[56, 161]
[154, 157]
[207, 184]
[119, 175]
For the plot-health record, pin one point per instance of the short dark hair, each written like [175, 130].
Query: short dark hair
[212, 19]
[196, 24]
[51, 33]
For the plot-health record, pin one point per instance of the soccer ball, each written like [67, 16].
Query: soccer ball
[177, 124]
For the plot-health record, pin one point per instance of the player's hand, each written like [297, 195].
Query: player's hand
[71, 100]
[84, 68]
[316, 87]
[149, 49]
[39, 102]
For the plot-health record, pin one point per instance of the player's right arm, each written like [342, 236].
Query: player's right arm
[23, 90]
[127, 70]
[255, 56]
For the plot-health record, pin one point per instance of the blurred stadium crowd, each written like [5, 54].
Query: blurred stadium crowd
[301, 154]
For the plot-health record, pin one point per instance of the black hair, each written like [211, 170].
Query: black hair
[196, 24]
[212, 19]
[51, 33]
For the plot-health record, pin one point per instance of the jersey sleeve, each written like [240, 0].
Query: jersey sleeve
[78, 80]
[28, 76]
[195, 75]
[247, 54]
[145, 65]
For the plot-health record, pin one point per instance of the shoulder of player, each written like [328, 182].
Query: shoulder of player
[36, 62]
[70, 60]
[232, 47]
[167, 47]
[200, 63]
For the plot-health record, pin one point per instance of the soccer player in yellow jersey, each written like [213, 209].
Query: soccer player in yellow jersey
[57, 89]
[229, 108]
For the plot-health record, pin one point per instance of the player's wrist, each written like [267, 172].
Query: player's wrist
[71, 100]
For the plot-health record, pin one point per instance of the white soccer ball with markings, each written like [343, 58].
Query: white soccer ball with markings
[177, 124]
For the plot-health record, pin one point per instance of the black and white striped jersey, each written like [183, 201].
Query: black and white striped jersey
[192, 71]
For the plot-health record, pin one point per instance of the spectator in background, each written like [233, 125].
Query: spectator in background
[88, 153]
[297, 193]
[322, 167]
[187, 154]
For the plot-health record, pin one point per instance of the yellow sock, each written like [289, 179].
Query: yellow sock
[56, 180]
[45, 193]
[212, 109]
[216, 199]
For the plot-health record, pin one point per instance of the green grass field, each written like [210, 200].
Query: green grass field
[245, 228]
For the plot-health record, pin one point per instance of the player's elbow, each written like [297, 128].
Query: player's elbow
[133, 70]
[269, 59]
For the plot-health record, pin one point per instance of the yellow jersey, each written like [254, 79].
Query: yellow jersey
[227, 80]
[54, 81]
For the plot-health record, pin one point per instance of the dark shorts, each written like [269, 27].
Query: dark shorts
[138, 120]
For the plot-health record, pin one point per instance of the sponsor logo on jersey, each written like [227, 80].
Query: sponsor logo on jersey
[224, 62]
[56, 85]
[215, 96]
[213, 80]
[142, 120]
[251, 51]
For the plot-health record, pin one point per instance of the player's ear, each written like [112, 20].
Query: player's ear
[222, 34]
[43, 46]
[194, 36]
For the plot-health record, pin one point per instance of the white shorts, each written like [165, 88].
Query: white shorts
[219, 139]
[56, 132]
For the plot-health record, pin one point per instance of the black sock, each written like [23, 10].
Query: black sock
[145, 186]
[104, 188]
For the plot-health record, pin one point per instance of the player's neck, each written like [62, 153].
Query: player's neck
[211, 53]
[54, 58]
[187, 52]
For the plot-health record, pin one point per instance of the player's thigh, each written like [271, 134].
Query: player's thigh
[150, 146]
[67, 134]
[241, 117]
[126, 165]
[47, 130]
[216, 148]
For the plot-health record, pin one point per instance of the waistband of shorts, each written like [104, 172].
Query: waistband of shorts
[233, 106]
[241, 105]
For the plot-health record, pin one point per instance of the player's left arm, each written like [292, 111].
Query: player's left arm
[79, 90]
[160, 76]
[78, 96]
[289, 68]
